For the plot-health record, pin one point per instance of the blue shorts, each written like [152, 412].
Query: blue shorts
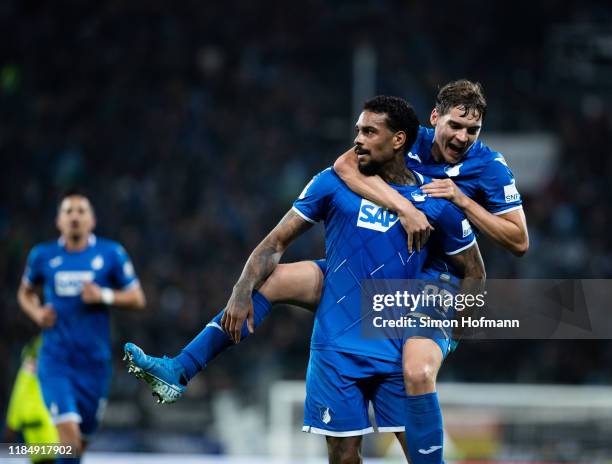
[444, 282]
[340, 387]
[75, 394]
[440, 283]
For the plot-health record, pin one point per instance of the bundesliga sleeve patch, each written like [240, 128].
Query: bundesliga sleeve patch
[467, 228]
[511, 193]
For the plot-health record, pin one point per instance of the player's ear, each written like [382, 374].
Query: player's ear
[399, 139]
[433, 118]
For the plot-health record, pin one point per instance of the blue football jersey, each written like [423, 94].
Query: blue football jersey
[365, 241]
[482, 174]
[81, 330]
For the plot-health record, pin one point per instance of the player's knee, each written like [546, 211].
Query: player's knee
[344, 450]
[346, 456]
[70, 435]
[419, 378]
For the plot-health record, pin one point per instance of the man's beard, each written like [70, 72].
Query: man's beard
[371, 168]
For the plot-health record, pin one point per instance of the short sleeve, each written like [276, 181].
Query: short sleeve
[123, 269]
[454, 229]
[499, 187]
[33, 274]
[313, 203]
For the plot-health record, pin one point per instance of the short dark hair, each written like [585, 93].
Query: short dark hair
[400, 116]
[73, 192]
[462, 93]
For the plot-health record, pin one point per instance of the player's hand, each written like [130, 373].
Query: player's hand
[45, 317]
[417, 227]
[445, 188]
[239, 307]
[91, 293]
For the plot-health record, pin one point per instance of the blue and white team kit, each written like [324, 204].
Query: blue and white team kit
[342, 363]
[347, 371]
[74, 364]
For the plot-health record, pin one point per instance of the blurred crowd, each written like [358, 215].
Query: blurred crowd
[194, 126]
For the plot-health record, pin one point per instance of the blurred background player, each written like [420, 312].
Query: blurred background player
[81, 276]
[27, 414]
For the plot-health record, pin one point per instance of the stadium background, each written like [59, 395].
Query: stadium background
[194, 126]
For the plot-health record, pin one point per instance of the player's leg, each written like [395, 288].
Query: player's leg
[335, 405]
[388, 396]
[60, 400]
[422, 358]
[296, 283]
[401, 437]
[70, 436]
[344, 450]
[91, 386]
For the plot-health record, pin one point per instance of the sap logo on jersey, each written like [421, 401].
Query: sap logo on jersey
[374, 217]
[511, 193]
[70, 283]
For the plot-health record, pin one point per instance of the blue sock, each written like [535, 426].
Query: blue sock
[213, 340]
[424, 434]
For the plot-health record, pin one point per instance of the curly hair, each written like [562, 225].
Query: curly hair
[400, 116]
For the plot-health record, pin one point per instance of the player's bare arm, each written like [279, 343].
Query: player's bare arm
[29, 302]
[261, 263]
[508, 230]
[377, 190]
[469, 264]
[131, 298]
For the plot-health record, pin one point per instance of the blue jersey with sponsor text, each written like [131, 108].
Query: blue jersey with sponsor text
[482, 174]
[365, 241]
[81, 331]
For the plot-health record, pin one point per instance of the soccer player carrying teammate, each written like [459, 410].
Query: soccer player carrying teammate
[346, 371]
[81, 277]
[473, 176]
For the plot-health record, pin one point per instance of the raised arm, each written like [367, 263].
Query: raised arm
[258, 267]
[377, 190]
